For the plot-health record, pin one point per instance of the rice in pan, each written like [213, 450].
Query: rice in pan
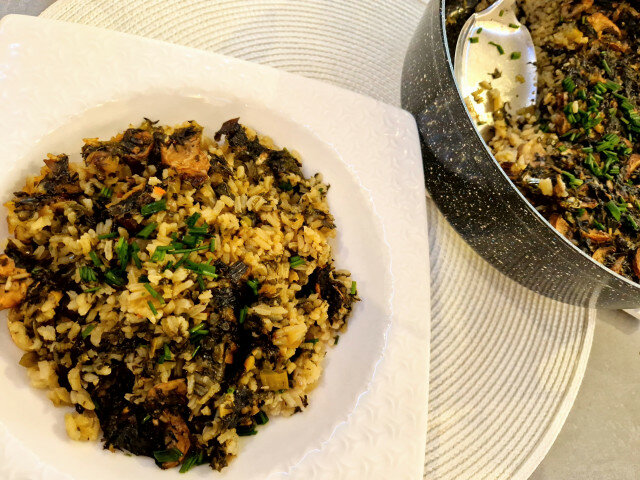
[177, 291]
[575, 156]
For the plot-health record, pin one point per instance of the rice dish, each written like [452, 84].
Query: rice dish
[175, 290]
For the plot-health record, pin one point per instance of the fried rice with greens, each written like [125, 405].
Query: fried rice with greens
[175, 290]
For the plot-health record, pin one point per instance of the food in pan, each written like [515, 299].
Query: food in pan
[575, 156]
[177, 291]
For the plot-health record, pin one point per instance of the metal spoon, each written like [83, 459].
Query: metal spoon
[495, 47]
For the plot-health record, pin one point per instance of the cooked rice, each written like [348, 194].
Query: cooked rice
[174, 355]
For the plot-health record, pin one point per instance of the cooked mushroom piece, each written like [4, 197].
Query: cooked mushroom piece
[14, 282]
[185, 154]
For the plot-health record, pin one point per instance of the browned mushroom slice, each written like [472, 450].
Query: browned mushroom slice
[559, 223]
[103, 161]
[17, 287]
[596, 236]
[601, 254]
[635, 265]
[173, 387]
[618, 264]
[601, 23]
[634, 163]
[185, 154]
[176, 436]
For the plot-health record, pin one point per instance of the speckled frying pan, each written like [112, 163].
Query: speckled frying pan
[474, 193]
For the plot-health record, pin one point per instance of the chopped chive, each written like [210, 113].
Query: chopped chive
[471, 40]
[106, 192]
[231, 389]
[143, 279]
[498, 46]
[516, 56]
[95, 259]
[587, 149]
[167, 456]
[253, 284]
[613, 86]
[195, 352]
[212, 245]
[166, 355]
[632, 222]
[154, 207]
[562, 148]
[513, 25]
[337, 339]
[313, 341]
[354, 287]
[146, 419]
[159, 254]
[598, 225]
[135, 248]
[243, 431]
[606, 67]
[201, 268]
[107, 235]
[148, 230]
[261, 418]
[198, 231]
[189, 250]
[91, 290]
[296, 261]
[199, 329]
[87, 331]
[201, 283]
[152, 291]
[243, 314]
[193, 219]
[122, 252]
[152, 308]
[568, 84]
[582, 94]
[479, 30]
[613, 209]
[190, 240]
[180, 262]
[87, 274]
[501, 13]
[113, 279]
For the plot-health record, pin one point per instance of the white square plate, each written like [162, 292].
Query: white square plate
[61, 82]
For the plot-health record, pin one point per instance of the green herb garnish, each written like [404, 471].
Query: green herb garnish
[498, 46]
[92, 290]
[166, 355]
[353, 288]
[568, 84]
[152, 291]
[153, 309]
[516, 56]
[613, 209]
[113, 279]
[253, 285]
[296, 261]
[471, 40]
[95, 259]
[167, 456]
[87, 331]
[261, 418]
[87, 274]
[107, 235]
[148, 230]
[154, 207]
[243, 314]
[193, 219]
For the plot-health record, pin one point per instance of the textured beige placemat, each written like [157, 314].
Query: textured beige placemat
[506, 364]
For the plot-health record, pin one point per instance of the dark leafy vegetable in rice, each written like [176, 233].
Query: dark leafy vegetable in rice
[172, 290]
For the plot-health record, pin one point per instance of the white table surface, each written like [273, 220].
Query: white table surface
[601, 437]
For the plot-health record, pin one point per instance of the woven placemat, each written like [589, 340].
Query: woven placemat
[506, 363]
